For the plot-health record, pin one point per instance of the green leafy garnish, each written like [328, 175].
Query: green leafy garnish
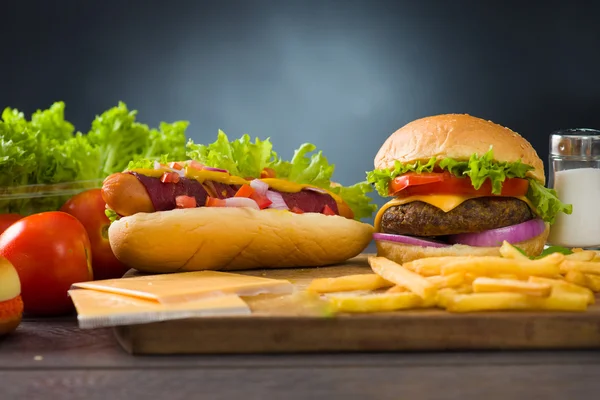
[479, 169]
[246, 158]
[42, 151]
[546, 202]
[111, 215]
[120, 139]
[44, 161]
[555, 249]
[546, 252]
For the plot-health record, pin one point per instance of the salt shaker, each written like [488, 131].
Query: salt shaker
[575, 175]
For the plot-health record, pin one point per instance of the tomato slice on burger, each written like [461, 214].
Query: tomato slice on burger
[415, 179]
[447, 183]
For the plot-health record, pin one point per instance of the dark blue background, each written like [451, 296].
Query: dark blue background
[340, 74]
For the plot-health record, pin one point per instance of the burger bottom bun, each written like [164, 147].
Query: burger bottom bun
[226, 239]
[401, 253]
[10, 324]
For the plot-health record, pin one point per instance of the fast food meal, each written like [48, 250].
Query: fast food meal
[11, 304]
[461, 185]
[510, 281]
[234, 205]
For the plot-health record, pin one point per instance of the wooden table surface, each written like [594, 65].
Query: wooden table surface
[53, 359]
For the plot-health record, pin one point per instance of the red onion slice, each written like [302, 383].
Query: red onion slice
[494, 237]
[259, 186]
[241, 202]
[411, 240]
[277, 201]
[215, 169]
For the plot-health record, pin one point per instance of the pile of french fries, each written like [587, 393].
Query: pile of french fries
[511, 281]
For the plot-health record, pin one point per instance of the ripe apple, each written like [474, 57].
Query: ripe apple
[88, 207]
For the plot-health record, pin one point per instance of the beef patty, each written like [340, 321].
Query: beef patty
[474, 215]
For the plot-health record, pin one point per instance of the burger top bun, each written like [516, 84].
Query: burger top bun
[10, 286]
[457, 136]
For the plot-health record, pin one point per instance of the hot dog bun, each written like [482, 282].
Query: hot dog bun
[229, 239]
[11, 306]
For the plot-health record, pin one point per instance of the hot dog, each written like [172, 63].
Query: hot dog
[129, 193]
[185, 217]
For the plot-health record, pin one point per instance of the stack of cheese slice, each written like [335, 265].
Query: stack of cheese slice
[152, 298]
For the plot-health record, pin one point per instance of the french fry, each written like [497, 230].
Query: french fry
[470, 277]
[487, 302]
[584, 255]
[452, 280]
[348, 283]
[399, 275]
[484, 285]
[375, 302]
[588, 267]
[593, 282]
[589, 281]
[465, 288]
[397, 289]
[561, 286]
[560, 300]
[428, 266]
[491, 265]
[507, 250]
[444, 296]
[576, 277]
[508, 276]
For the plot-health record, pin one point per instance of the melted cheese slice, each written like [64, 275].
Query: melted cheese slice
[445, 202]
[101, 309]
[10, 284]
[189, 286]
[281, 185]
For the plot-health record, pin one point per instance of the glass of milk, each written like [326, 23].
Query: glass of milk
[575, 175]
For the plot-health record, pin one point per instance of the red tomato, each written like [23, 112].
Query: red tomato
[7, 220]
[195, 165]
[175, 165]
[449, 184]
[185, 201]
[88, 207]
[413, 179]
[169, 177]
[50, 252]
[262, 200]
[267, 173]
[214, 202]
[245, 191]
[328, 211]
[297, 210]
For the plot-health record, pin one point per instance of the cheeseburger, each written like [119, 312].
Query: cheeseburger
[460, 185]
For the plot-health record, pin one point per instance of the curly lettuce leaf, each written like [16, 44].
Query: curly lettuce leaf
[242, 157]
[546, 201]
[479, 169]
[42, 151]
[121, 139]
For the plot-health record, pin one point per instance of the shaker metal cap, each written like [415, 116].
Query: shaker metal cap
[576, 143]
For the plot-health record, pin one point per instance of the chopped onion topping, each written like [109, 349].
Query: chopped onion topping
[241, 202]
[259, 186]
[277, 200]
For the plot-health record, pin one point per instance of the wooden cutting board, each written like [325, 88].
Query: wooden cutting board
[289, 324]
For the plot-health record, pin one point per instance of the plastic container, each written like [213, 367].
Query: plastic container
[575, 175]
[31, 199]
